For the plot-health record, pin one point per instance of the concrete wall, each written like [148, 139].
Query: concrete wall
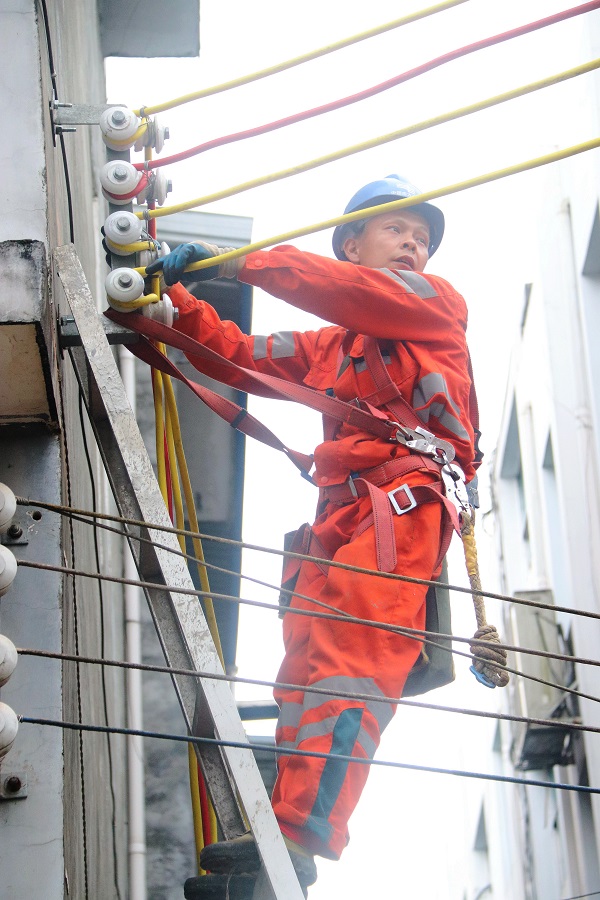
[75, 810]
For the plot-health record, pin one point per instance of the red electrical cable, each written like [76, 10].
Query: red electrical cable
[204, 809]
[140, 186]
[377, 89]
[152, 222]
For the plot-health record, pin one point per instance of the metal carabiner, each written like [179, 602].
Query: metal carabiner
[425, 442]
[455, 488]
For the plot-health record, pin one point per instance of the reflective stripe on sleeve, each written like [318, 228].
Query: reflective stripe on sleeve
[283, 345]
[413, 282]
[428, 387]
[260, 347]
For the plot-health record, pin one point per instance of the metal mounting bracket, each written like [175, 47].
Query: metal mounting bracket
[68, 333]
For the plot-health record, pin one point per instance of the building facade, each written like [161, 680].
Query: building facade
[529, 842]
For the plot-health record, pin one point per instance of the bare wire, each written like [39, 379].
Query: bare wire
[416, 634]
[289, 751]
[326, 692]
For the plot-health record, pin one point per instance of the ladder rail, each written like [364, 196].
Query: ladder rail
[208, 706]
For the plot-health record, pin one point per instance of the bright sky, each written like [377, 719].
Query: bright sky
[410, 830]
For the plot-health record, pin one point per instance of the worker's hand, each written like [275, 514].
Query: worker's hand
[173, 264]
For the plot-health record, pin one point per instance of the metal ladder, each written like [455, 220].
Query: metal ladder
[233, 780]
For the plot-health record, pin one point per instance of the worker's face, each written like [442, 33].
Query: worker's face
[395, 240]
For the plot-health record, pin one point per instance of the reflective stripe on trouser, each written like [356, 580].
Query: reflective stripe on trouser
[314, 798]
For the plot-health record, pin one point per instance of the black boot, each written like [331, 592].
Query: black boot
[240, 856]
[220, 887]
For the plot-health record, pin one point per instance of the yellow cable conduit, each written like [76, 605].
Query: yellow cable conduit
[289, 64]
[167, 427]
[374, 142]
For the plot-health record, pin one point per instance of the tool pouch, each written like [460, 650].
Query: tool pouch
[295, 542]
[300, 541]
[435, 665]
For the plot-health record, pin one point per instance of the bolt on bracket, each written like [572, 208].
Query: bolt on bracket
[13, 786]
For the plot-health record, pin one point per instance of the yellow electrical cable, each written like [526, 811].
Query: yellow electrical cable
[177, 498]
[374, 142]
[486, 178]
[189, 498]
[129, 142]
[161, 390]
[289, 64]
[135, 247]
[130, 305]
[172, 424]
[176, 451]
[161, 468]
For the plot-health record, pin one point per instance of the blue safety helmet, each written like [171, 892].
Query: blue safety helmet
[393, 187]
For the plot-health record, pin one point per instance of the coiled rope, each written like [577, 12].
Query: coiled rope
[489, 662]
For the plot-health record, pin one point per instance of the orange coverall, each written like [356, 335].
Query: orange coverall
[420, 322]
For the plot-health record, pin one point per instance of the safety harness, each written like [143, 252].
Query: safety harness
[428, 453]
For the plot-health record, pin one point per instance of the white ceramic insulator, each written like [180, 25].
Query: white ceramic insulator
[8, 658]
[154, 136]
[9, 725]
[123, 228]
[8, 507]
[124, 284]
[8, 569]
[162, 311]
[118, 125]
[119, 177]
[160, 135]
[145, 257]
[148, 256]
[162, 186]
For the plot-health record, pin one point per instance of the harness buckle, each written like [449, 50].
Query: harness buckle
[425, 442]
[409, 496]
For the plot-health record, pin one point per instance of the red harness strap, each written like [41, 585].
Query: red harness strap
[265, 385]
[387, 392]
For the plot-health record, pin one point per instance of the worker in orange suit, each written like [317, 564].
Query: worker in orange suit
[390, 322]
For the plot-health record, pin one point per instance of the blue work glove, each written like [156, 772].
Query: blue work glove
[173, 264]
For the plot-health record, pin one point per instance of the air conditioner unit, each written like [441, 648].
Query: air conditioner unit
[538, 746]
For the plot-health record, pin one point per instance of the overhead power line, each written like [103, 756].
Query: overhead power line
[339, 694]
[98, 517]
[415, 634]
[343, 153]
[289, 751]
[298, 60]
[368, 92]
